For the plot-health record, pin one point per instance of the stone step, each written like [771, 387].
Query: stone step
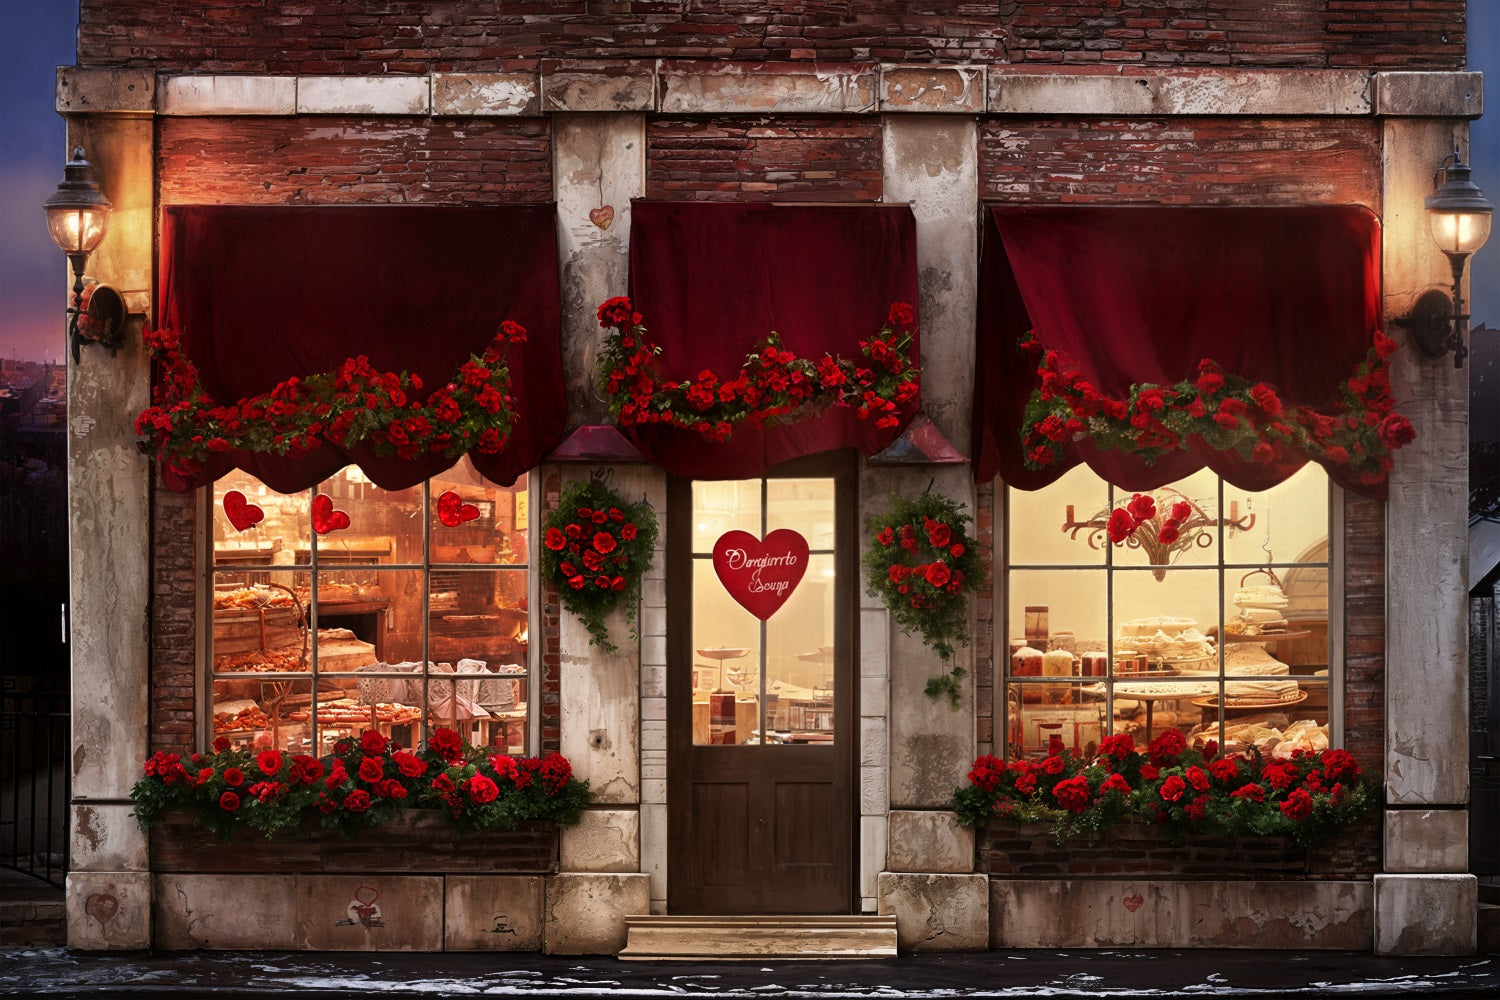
[668, 938]
[1489, 929]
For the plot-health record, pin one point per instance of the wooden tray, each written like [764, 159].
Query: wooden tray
[1212, 701]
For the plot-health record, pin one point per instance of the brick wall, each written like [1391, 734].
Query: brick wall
[408, 36]
[174, 627]
[783, 159]
[1364, 630]
[1202, 161]
[331, 160]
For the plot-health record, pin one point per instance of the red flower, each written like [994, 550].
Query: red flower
[1168, 533]
[371, 741]
[1224, 769]
[1279, 774]
[371, 769]
[357, 801]
[409, 763]
[1252, 792]
[229, 802]
[1121, 525]
[1265, 397]
[1262, 453]
[1115, 783]
[1118, 746]
[1142, 507]
[555, 540]
[269, 761]
[1026, 784]
[1173, 788]
[1298, 805]
[902, 315]
[233, 777]
[1197, 778]
[1149, 772]
[1165, 748]
[939, 535]
[1396, 431]
[604, 542]
[221, 743]
[628, 532]
[937, 573]
[886, 536]
[446, 744]
[1181, 511]
[305, 769]
[482, 789]
[1053, 765]
[1073, 793]
[956, 550]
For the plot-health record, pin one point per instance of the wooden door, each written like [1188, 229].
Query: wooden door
[760, 714]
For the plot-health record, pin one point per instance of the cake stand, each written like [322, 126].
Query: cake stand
[722, 653]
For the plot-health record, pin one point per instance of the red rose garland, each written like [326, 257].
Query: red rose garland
[771, 384]
[354, 404]
[595, 548]
[1228, 412]
[923, 566]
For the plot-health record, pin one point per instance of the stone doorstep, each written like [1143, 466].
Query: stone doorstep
[665, 938]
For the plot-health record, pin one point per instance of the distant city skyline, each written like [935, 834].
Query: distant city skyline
[36, 36]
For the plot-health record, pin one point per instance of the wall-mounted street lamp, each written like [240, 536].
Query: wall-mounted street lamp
[77, 217]
[1460, 216]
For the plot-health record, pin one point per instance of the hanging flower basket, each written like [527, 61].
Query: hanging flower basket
[595, 550]
[922, 564]
[771, 386]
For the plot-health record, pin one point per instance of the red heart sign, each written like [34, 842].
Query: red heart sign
[603, 216]
[325, 518]
[452, 510]
[760, 575]
[241, 512]
[1133, 903]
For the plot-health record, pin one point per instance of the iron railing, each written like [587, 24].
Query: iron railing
[34, 780]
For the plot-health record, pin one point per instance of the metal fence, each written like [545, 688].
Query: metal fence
[34, 780]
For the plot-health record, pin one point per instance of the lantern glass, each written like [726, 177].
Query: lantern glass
[77, 229]
[1458, 232]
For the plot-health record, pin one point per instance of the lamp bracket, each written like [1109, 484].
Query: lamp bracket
[1430, 323]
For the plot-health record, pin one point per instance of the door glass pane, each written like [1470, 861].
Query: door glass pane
[724, 506]
[726, 660]
[799, 659]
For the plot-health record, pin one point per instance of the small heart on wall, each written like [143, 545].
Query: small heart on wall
[102, 907]
[1133, 903]
[603, 216]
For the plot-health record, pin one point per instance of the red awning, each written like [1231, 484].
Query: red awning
[713, 279]
[1289, 296]
[262, 293]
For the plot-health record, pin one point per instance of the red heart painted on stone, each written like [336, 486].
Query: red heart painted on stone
[603, 216]
[102, 906]
[1133, 903]
[325, 518]
[760, 575]
[241, 512]
[366, 894]
[452, 510]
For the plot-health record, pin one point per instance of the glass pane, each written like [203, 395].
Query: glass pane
[1050, 526]
[1178, 527]
[724, 506]
[799, 660]
[263, 714]
[391, 706]
[805, 506]
[1269, 715]
[395, 598]
[384, 527]
[1288, 522]
[276, 526]
[474, 521]
[726, 661]
[1062, 610]
[485, 620]
[1039, 725]
[258, 622]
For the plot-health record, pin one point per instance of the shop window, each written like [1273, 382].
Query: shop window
[1204, 610]
[409, 611]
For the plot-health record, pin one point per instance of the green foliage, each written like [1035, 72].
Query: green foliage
[596, 547]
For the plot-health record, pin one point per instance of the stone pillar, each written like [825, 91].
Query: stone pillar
[1426, 764]
[109, 518]
[930, 162]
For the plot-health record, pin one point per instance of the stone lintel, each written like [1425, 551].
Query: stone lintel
[1158, 913]
[485, 94]
[937, 912]
[364, 95]
[82, 91]
[930, 841]
[952, 89]
[690, 87]
[590, 85]
[1426, 914]
[228, 95]
[1429, 95]
[1181, 92]
[1422, 841]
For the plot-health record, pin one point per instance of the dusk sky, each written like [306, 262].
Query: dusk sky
[37, 36]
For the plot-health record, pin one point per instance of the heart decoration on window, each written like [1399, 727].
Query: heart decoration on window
[241, 512]
[761, 574]
[452, 510]
[325, 518]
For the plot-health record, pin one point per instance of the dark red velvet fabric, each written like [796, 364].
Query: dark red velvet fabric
[713, 279]
[262, 293]
[1289, 296]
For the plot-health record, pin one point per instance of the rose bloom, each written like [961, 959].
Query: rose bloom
[1053, 765]
[1026, 784]
[372, 742]
[229, 802]
[1115, 783]
[1224, 769]
[555, 540]
[1252, 791]
[938, 574]
[409, 763]
[1173, 788]
[234, 777]
[446, 743]
[1117, 746]
[628, 532]
[1073, 793]
[305, 769]
[221, 743]
[1298, 805]
[940, 535]
[357, 800]
[1121, 524]
[482, 789]
[269, 761]
[371, 769]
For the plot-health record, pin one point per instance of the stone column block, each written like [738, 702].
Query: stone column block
[1426, 914]
[226, 912]
[106, 837]
[586, 914]
[109, 911]
[937, 912]
[1426, 841]
[930, 841]
[369, 912]
[605, 840]
[493, 912]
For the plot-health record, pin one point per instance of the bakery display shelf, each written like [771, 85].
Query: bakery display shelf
[1265, 637]
[1212, 701]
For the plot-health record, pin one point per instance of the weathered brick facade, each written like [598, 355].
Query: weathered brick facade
[790, 158]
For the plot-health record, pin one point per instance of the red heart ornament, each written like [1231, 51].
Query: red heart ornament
[241, 513]
[325, 518]
[1133, 903]
[760, 575]
[452, 510]
[603, 216]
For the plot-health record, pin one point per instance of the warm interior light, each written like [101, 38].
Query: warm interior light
[76, 230]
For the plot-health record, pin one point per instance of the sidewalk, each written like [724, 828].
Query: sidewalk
[55, 972]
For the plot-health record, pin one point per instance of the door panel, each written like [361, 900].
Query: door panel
[760, 714]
